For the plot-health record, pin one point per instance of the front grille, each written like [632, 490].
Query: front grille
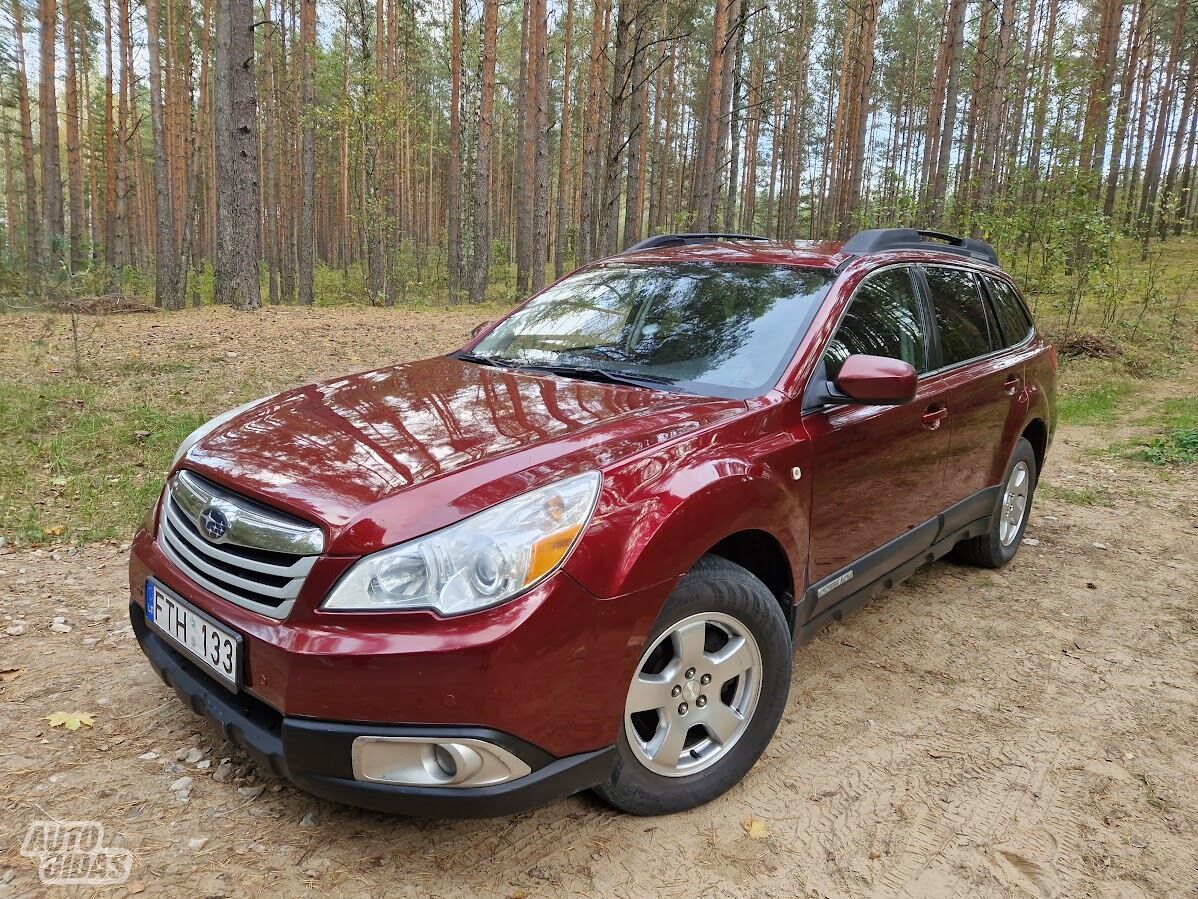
[260, 558]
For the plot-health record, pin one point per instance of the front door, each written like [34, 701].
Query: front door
[878, 471]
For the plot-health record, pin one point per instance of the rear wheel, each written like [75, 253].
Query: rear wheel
[999, 544]
[707, 693]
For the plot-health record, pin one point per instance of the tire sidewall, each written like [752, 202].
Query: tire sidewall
[732, 591]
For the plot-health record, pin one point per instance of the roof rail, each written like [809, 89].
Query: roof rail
[879, 240]
[677, 240]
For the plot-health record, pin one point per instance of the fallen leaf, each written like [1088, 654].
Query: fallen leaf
[134, 888]
[70, 720]
[755, 829]
[141, 435]
[57, 531]
[8, 675]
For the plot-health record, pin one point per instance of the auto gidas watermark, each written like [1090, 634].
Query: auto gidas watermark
[72, 853]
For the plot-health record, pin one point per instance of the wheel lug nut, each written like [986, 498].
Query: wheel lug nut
[701, 701]
[677, 691]
[690, 672]
[705, 679]
[683, 708]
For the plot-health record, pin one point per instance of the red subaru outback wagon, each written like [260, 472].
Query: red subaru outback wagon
[578, 552]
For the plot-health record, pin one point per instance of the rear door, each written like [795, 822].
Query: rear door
[980, 383]
[877, 471]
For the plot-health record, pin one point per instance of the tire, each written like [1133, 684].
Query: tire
[724, 735]
[998, 545]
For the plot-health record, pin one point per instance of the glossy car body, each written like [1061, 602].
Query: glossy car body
[826, 503]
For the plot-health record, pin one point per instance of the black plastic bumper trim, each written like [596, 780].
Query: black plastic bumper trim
[315, 755]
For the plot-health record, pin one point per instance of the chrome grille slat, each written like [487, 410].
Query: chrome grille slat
[259, 562]
[298, 568]
[255, 526]
[219, 574]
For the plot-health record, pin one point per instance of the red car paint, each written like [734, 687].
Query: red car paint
[380, 457]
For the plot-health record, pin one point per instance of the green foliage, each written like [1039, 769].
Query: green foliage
[1178, 446]
[1178, 443]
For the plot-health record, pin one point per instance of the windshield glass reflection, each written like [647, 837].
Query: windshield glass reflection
[718, 328]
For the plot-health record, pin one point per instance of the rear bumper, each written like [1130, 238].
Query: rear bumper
[316, 755]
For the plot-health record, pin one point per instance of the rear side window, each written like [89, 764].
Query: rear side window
[883, 319]
[1012, 318]
[960, 314]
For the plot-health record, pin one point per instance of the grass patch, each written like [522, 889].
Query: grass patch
[75, 459]
[1092, 404]
[1080, 496]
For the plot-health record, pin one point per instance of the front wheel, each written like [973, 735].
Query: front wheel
[998, 545]
[707, 694]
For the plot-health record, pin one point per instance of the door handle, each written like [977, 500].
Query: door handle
[933, 415]
[1011, 385]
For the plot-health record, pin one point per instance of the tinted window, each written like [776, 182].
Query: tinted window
[960, 314]
[715, 328]
[883, 320]
[1012, 318]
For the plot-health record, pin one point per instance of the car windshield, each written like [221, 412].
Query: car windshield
[712, 328]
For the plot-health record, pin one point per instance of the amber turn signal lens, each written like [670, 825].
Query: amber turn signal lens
[548, 552]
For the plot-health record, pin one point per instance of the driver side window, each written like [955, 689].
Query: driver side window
[883, 319]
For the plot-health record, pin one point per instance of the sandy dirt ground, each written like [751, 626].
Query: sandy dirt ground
[1028, 732]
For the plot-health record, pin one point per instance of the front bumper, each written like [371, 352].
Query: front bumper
[316, 755]
[551, 667]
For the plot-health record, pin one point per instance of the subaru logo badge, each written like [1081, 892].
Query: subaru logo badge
[214, 523]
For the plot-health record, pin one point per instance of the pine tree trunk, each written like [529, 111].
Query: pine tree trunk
[453, 196]
[307, 236]
[236, 281]
[78, 222]
[166, 251]
[539, 245]
[52, 210]
[588, 226]
[617, 123]
[33, 219]
[638, 90]
[525, 163]
[480, 269]
[705, 187]
[564, 181]
[1126, 86]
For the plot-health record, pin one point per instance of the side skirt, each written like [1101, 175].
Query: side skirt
[844, 591]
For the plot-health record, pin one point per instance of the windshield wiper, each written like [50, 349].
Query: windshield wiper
[588, 373]
[493, 361]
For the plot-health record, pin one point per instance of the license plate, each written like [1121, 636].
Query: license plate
[214, 647]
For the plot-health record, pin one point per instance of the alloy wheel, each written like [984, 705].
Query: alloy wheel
[1014, 503]
[693, 694]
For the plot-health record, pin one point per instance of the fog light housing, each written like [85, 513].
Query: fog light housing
[430, 762]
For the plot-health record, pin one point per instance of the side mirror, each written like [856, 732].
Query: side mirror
[480, 327]
[877, 380]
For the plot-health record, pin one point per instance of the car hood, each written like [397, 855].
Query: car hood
[386, 455]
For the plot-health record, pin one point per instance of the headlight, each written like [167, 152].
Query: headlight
[208, 427]
[479, 562]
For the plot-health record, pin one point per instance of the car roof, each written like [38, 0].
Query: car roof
[806, 253]
[820, 254]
